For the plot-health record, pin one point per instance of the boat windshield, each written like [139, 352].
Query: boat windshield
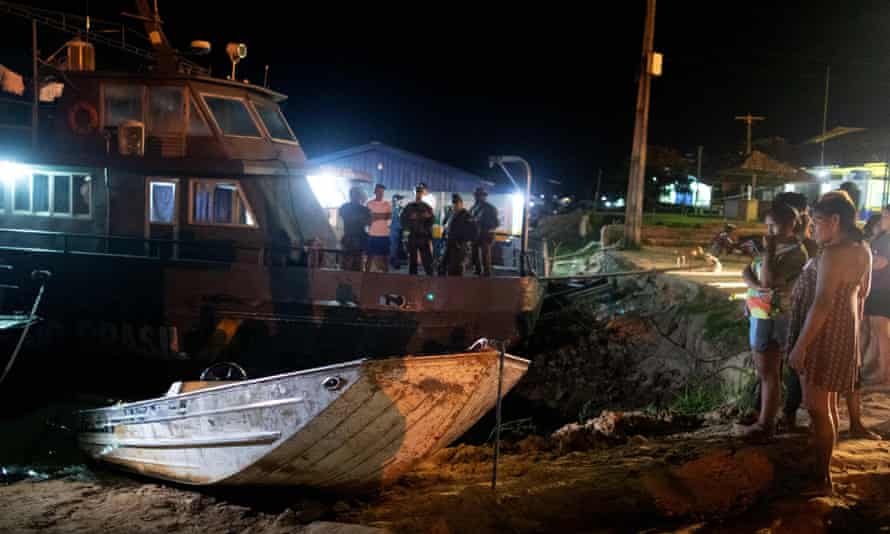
[231, 116]
[275, 122]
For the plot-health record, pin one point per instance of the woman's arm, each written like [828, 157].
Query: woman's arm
[828, 278]
[769, 263]
[751, 279]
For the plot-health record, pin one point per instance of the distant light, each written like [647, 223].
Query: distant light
[542, 196]
[603, 198]
[531, 203]
[430, 297]
[380, 166]
[654, 179]
[822, 173]
[608, 204]
[619, 203]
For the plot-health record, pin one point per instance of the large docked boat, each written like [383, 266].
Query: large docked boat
[172, 210]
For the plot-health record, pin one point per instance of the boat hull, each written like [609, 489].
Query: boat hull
[128, 326]
[293, 429]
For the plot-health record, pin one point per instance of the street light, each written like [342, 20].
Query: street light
[500, 161]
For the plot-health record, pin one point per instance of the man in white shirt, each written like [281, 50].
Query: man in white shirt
[378, 240]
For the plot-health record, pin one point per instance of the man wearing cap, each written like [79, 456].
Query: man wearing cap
[356, 217]
[417, 219]
[378, 240]
[486, 217]
[461, 232]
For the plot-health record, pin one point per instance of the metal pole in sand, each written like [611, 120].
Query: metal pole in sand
[497, 428]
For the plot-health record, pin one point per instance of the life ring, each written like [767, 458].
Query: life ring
[75, 121]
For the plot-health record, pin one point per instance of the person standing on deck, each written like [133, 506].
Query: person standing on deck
[395, 233]
[356, 217]
[417, 218]
[461, 231]
[486, 216]
[378, 240]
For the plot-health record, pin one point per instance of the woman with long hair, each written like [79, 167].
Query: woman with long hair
[826, 346]
[770, 278]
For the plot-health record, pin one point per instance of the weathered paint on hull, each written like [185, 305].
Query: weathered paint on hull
[292, 430]
[130, 326]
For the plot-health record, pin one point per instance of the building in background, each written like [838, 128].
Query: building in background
[332, 175]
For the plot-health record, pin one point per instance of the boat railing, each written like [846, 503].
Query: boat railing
[184, 250]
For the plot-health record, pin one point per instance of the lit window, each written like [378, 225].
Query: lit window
[219, 202]
[275, 123]
[60, 195]
[231, 116]
[162, 202]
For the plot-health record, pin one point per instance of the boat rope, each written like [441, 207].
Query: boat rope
[24, 334]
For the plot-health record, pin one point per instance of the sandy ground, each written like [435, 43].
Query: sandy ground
[631, 486]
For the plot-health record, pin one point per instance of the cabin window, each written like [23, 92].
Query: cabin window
[122, 103]
[231, 116]
[219, 202]
[275, 122]
[162, 202]
[197, 125]
[50, 194]
[166, 110]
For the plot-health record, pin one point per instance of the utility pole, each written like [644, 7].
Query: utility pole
[825, 115]
[633, 215]
[749, 120]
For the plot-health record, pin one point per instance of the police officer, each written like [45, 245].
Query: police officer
[462, 231]
[417, 219]
[486, 217]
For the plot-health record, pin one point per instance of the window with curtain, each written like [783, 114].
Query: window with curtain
[162, 202]
[219, 202]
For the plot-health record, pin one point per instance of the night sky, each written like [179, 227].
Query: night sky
[457, 82]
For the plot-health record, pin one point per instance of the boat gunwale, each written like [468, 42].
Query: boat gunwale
[353, 363]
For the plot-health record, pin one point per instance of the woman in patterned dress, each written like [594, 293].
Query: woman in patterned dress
[826, 351]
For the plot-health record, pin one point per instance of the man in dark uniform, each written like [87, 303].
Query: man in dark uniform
[461, 232]
[417, 219]
[486, 217]
[356, 217]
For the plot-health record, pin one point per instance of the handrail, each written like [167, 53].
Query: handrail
[184, 250]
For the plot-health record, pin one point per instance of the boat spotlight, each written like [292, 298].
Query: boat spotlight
[236, 52]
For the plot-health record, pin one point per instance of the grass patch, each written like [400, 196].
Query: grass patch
[677, 220]
[724, 321]
[699, 398]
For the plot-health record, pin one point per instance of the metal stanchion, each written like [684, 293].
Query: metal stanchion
[497, 430]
